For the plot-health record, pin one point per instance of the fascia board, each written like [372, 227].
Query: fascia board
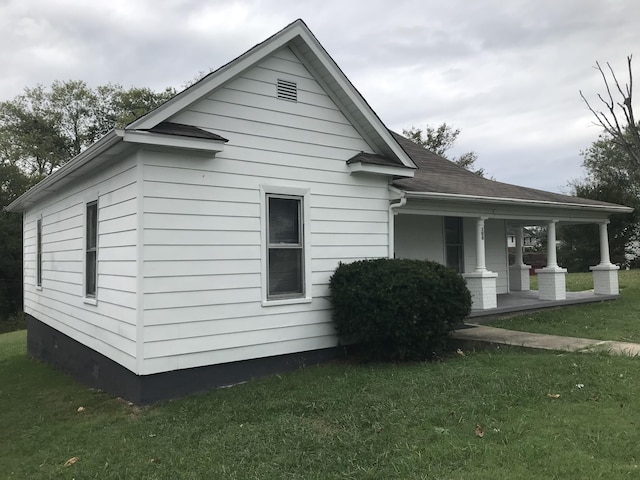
[148, 138]
[353, 95]
[381, 170]
[517, 201]
[66, 171]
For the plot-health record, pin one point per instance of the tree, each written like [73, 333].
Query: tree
[43, 128]
[605, 181]
[440, 140]
[13, 182]
[618, 120]
[580, 244]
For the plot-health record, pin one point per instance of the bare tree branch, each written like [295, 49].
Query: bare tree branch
[624, 133]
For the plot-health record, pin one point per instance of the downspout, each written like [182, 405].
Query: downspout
[401, 203]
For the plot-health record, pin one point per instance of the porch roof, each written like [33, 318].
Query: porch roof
[437, 176]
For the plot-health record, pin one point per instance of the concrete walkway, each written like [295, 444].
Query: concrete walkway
[484, 333]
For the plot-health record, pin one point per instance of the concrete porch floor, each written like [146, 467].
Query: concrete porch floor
[523, 301]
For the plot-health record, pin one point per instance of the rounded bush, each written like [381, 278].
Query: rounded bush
[397, 309]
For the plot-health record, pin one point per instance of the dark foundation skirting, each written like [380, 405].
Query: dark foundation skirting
[98, 371]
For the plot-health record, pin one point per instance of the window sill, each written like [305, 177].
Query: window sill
[90, 301]
[39, 288]
[286, 301]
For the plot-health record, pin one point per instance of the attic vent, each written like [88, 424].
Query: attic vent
[287, 90]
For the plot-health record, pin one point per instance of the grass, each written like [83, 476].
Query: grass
[613, 320]
[12, 323]
[576, 282]
[339, 421]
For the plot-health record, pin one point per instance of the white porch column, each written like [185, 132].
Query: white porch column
[519, 272]
[551, 279]
[481, 264]
[481, 282]
[605, 274]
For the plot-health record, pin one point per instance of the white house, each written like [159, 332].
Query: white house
[194, 247]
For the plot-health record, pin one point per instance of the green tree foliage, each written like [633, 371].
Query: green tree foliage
[40, 130]
[440, 140]
[580, 244]
[44, 127]
[613, 174]
[13, 182]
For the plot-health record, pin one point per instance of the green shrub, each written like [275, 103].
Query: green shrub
[397, 309]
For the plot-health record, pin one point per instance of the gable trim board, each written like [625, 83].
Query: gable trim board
[182, 222]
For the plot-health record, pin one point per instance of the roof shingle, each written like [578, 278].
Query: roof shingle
[436, 174]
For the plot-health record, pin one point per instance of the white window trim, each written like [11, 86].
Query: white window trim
[90, 300]
[306, 236]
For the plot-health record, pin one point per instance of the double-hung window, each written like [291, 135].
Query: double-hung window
[39, 253]
[454, 246]
[91, 250]
[285, 246]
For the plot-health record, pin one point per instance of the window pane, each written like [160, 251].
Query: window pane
[454, 257]
[92, 225]
[285, 271]
[91, 274]
[284, 220]
[453, 230]
[39, 259]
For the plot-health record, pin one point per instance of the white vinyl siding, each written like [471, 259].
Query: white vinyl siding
[110, 326]
[203, 226]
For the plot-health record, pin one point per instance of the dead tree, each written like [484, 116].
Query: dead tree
[625, 133]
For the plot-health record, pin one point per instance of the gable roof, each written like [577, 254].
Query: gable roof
[327, 73]
[437, 177]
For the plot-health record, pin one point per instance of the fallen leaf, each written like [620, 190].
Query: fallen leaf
[71, 461]
[479, 431]
[441, 430]
[460, 352]
[80, 409]
[553, 395]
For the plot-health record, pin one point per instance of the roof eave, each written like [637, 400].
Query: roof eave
[175, 141]
[65, 172]
[517, 202]
[399, 171]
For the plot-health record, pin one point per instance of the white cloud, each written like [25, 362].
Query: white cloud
[506, 73]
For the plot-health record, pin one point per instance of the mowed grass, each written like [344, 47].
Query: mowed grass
[542, 414]
[612, 320]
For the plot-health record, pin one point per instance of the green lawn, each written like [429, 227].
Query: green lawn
[339, 421]
[614, 320]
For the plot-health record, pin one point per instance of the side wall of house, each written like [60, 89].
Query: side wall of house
[419, 237]
[107, 323]
[203, 232]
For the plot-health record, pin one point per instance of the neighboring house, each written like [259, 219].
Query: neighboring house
[194, 247]
[529, 239]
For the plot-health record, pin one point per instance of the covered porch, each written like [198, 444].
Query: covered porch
[522, 301]
[424, 227]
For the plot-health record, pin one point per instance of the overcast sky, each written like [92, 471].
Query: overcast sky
[506, 72]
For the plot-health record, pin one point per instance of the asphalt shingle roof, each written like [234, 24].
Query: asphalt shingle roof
[181, 130]
[436, 174]
[374, 159]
